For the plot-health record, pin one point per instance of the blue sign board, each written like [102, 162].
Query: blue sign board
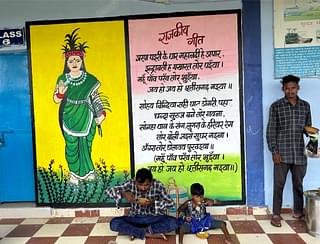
[11, 37]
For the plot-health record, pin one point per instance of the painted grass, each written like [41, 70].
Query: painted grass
[54, 187]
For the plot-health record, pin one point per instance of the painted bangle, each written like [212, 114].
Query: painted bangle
[60, 95]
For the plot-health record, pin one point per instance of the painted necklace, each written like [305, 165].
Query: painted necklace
[76, 81]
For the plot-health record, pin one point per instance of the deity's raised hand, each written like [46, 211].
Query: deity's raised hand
[62, 88]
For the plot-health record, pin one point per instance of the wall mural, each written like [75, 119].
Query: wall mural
[80, 109]
[113, 95]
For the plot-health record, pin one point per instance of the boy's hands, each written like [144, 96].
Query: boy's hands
[210, 202]
[188, 218]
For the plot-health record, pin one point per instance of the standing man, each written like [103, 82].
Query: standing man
[287, 118]
[149, 202]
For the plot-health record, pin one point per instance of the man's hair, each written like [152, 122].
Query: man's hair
[290, 78]
[197, 189]
[143, 174]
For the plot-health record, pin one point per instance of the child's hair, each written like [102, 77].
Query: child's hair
[143, 174]
[197, 189]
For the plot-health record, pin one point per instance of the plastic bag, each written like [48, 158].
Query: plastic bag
[178, 194]
[312, 149]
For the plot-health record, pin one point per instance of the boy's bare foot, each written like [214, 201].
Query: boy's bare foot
[156, 236]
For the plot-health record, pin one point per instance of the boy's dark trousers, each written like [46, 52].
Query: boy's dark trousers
[280, 174]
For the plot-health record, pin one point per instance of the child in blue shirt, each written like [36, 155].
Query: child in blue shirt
[193, 217]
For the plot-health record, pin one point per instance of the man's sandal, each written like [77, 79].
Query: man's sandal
[276, 221]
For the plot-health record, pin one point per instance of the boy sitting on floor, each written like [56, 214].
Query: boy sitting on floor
[194, 217]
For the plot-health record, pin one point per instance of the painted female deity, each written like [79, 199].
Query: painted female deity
[82, 109]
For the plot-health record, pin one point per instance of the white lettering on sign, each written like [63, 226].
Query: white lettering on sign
[10, 37]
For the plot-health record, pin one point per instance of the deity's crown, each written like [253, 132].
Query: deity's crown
[72, 47]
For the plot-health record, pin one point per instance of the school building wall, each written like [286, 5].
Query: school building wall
[260, 87]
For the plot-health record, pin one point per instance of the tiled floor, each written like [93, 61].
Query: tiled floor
[247, 229]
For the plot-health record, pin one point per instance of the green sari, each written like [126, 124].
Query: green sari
[76, 117]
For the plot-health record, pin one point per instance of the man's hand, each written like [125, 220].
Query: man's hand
[276, 158]
[144, 201]
[129, 196]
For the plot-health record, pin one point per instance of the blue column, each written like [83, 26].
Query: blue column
[252, 81]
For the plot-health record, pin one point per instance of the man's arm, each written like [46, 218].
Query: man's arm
[164, 201]
[183, 207]
[272, 130]
[308, 119]
[211, 202]
[118, 192]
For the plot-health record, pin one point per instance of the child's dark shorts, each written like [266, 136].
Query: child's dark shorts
[215, 224]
